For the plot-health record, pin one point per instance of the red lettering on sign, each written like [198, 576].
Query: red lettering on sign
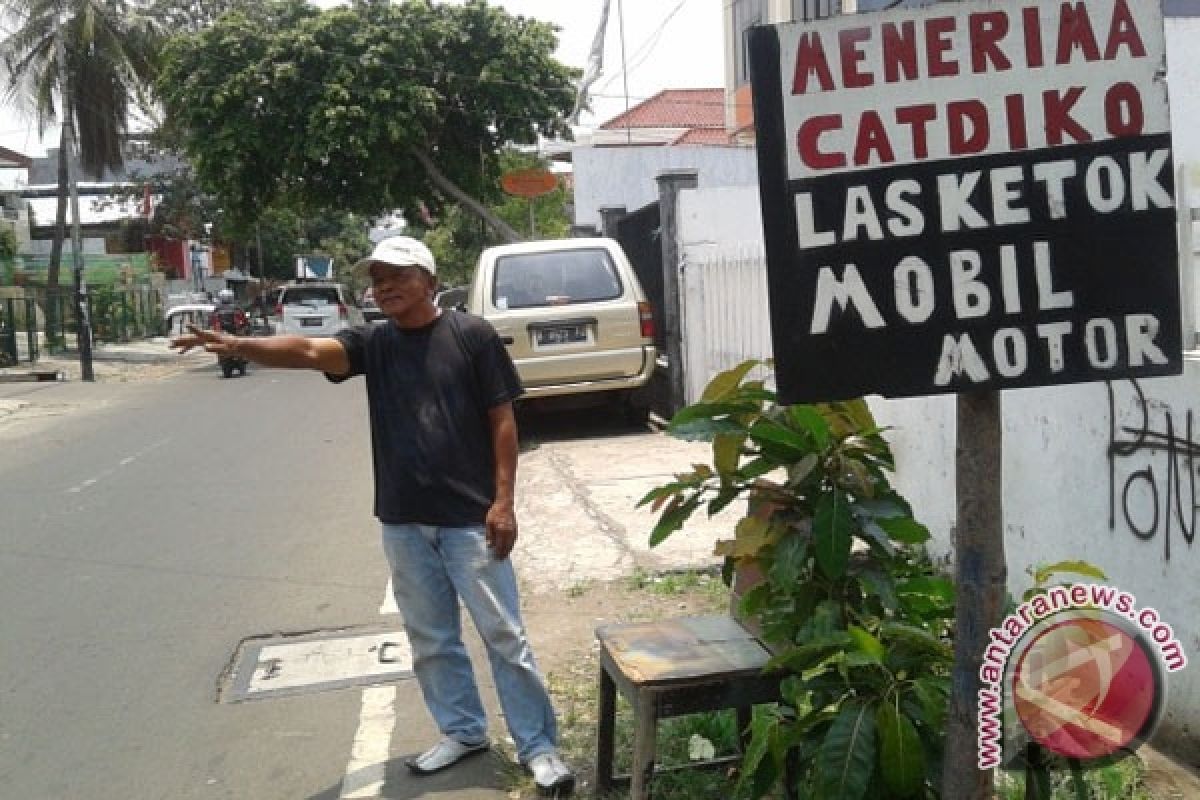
[872, 138]
[986, 30]
[808, 146]
[1018, 135]
[900, 51]
[937, 44]
[849, 43]
[1057, 109]
[916, 118]
[1123, 32]
[1033, 38]
[1123, 114]
[810, 58]
[957, 116]
[1075, 30]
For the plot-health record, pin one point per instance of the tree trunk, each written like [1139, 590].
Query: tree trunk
[446, 185]
[60, 223]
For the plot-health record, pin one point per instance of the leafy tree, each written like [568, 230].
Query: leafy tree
[456, 238]
[193, 15]
[110, 49]
[363, 108]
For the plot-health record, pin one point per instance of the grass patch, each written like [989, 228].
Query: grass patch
[678, 582]
[1119, 780]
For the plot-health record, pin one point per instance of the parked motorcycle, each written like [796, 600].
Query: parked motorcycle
[229, 318]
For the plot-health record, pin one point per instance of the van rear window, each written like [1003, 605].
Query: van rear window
[555, 278]
[310, 296]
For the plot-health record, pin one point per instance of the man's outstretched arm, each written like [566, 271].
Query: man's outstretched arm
[295, 352]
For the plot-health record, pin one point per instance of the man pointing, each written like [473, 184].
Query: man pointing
[440, 387]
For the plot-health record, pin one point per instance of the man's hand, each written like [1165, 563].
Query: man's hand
[213, 341]
[501, 529]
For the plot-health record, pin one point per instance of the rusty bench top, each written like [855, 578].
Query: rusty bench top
[679, 649]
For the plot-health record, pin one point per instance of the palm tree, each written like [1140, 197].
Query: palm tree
[111, 50]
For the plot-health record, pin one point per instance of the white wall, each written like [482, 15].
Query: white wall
[1183, 92]
[92, 246]
[625, 176]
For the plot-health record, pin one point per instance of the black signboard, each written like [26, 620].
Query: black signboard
[971, 196]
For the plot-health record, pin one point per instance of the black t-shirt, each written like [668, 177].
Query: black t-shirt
[429, 390]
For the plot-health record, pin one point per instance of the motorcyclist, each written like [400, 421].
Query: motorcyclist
[228, 317]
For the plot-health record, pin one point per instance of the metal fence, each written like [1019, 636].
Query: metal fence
[46, 319]
[116, 314]
[18, 320]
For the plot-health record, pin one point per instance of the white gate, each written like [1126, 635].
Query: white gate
[725, 314]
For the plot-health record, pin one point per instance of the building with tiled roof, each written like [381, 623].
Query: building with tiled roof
[671, 117]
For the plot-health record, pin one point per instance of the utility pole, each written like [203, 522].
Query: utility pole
[83, 324]
[624, 71]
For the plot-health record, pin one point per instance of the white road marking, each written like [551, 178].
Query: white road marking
[389, 601]
[365, 774]
[124, 462]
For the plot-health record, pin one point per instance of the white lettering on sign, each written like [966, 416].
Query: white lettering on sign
[915, 284]
[961, 358]
[965, 199]
[905, 86]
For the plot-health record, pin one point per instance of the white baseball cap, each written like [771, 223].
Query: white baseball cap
[399, 251]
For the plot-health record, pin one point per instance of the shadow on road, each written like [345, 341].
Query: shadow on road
[481, 778]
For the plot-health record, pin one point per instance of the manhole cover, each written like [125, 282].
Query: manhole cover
[286, 665]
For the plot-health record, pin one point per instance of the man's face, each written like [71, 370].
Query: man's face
[398, 290]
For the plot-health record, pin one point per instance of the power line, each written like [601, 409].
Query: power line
[650, 42]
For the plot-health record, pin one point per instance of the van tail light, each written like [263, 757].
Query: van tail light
[646, 317]
[342, 312]
[279, 309]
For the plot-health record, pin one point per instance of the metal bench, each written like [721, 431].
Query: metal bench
[669, 668]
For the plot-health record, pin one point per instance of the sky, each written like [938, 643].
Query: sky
[668, 44]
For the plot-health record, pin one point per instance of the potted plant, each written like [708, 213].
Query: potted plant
[832, 575]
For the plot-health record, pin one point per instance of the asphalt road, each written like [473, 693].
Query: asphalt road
[139, 546]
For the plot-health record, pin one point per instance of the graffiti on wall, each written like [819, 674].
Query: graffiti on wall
[1152, 462]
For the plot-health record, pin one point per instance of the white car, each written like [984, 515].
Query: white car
[316, 309]
[177, 318]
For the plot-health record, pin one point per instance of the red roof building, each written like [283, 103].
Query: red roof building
[671, 117]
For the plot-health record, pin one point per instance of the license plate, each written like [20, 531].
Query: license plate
[309, 322]
[561, 334]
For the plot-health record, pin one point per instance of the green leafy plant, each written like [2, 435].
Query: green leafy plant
[841, 589]
[8, 245]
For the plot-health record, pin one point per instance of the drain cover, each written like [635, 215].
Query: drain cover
[286, 665]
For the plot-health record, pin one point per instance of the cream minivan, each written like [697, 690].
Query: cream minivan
[572, 314]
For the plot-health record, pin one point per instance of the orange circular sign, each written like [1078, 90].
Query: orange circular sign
[529, 182]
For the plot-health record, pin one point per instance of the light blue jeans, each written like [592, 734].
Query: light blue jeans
[432, 568]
